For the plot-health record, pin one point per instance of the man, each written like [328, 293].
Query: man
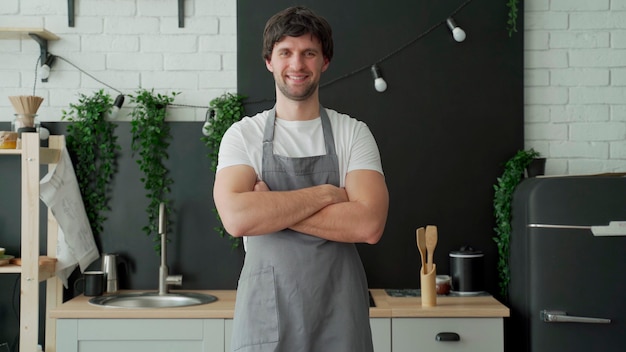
[301, 184]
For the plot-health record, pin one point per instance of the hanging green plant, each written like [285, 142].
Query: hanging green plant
[150, 137]
[511, 22]
[225, 110]
[91, 140]
[503, 196]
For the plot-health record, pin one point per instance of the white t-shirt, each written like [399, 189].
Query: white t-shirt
[242, 144]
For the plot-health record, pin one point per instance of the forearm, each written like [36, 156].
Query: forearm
[351, 222]
[361, 219]
[256, 213]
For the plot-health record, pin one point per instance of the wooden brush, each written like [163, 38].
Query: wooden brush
[26, 107]
[26, 104]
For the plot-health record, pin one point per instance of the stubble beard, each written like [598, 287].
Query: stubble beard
[290, 93]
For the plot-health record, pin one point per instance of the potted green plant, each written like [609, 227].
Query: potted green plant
[150, 138]
[91, 140]
[513, 173]
[224, 111]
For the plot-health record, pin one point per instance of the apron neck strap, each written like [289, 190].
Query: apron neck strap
[329, 140]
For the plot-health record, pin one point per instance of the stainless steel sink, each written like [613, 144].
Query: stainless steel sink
[152, 300]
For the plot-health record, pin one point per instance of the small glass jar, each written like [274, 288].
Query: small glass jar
[8, 140]
[24, 123]
[442, 284]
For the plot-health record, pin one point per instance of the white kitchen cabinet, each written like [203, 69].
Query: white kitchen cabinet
[381, 334]
[161, 335]
[475, 334]
[398, 324]
[228, 330]
[140, 335]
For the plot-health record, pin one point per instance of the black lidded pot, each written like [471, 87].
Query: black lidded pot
[466, 269]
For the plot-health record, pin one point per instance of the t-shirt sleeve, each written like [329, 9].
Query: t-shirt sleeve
[232, 149]
[365, 154]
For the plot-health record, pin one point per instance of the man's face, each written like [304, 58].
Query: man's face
[297, 64]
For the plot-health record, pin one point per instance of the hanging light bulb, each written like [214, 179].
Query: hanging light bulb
[44, 71]
[457, 32]
[44, 133]
[379, 82]
[210, 115]
[117, 105]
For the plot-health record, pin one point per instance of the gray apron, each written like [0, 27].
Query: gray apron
[298, 292]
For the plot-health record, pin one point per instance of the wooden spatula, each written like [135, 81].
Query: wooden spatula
[420, 238]
[431, 243]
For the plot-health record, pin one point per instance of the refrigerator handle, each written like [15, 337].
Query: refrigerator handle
[556, 316]
[614, 228]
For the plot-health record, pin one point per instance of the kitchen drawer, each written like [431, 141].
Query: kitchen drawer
[140, 335]
[419, 334]
[140, 329]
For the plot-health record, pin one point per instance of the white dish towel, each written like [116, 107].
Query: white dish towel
[75, 246]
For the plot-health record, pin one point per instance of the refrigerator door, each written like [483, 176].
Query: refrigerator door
[568, 287]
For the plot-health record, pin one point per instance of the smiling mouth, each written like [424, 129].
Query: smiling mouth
[297, 78]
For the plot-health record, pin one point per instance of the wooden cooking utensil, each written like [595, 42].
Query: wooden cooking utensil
[26, 104]
[431, 243]
[420, 238]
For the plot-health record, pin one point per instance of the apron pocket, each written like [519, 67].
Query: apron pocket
[256, 315]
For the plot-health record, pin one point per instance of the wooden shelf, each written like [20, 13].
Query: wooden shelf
[46, 267]
[32, 266]
[44, 271]
[10, 151]
[19, 33]
[10, 269]
[46, 155]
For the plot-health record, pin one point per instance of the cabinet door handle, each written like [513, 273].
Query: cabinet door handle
[448, 336]
[556, 316]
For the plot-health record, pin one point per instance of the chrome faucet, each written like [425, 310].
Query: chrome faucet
[164, 278]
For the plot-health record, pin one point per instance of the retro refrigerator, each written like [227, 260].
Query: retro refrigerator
[568, 266]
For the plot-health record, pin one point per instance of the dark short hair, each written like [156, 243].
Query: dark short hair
[294, 22]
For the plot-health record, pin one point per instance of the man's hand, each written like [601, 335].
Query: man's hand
[261, 186]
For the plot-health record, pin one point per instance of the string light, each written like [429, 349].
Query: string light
[457, 32]
[210, 115]
[379, 82]
[386, 57]
[117, 105]
[380, 86]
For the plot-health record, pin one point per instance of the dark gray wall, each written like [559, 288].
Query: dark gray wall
[452, 115]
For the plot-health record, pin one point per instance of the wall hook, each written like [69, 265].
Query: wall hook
[181, 13]
[70, 13]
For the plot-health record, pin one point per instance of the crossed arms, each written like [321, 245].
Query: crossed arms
[356, 213]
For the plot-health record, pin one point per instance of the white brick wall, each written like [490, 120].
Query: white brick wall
[574, 58]
[575, 84]
[127, 44]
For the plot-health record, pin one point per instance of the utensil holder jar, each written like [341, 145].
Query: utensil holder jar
[428, 288]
